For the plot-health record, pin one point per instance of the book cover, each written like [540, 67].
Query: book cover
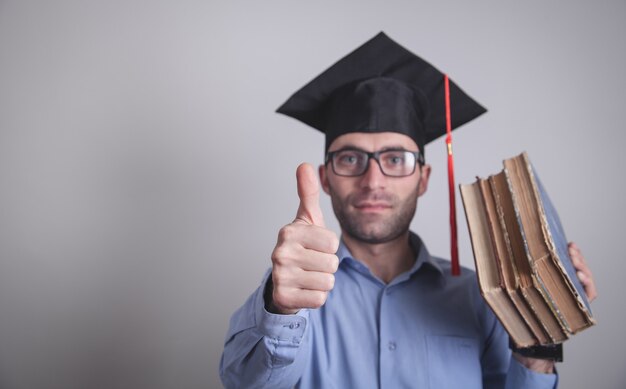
[557, 244]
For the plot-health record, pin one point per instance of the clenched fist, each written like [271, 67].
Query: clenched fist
[304, 260]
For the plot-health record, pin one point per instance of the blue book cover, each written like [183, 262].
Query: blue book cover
[556, 236]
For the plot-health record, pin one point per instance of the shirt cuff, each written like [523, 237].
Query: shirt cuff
[289, 328]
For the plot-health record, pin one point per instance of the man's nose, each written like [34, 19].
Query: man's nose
[373, 176]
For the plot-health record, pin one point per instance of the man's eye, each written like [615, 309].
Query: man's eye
[395, 159]
[348, 159]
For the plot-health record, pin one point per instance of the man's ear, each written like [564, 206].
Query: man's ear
[324, 178]
[422, 186]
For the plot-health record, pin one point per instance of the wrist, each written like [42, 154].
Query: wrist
[545, 366]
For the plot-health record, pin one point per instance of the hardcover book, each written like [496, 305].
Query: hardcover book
[522, 262]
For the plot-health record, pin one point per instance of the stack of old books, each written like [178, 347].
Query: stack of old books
[522, 262]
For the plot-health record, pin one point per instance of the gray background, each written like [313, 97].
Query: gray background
[144, 175]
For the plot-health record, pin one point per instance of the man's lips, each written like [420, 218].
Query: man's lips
[372, 202]
[372, 206]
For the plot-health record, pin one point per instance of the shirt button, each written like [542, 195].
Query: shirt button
[391, 346]
[293, 326]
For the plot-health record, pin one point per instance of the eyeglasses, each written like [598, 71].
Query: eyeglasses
[351, 162]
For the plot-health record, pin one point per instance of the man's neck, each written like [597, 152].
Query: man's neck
[385, 260]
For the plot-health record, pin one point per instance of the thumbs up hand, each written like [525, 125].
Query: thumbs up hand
[304, 260]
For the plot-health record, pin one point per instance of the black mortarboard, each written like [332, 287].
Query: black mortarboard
[379, 87]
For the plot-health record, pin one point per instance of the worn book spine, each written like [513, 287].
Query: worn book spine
[510, 273]
[487, 268]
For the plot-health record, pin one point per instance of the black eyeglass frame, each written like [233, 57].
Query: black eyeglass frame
[419, 158]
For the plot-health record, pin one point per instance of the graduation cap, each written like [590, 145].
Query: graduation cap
[383, 87]
[380, 86]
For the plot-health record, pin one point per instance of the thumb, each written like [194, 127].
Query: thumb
[309, 210]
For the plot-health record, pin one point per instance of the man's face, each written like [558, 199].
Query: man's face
[374, 208]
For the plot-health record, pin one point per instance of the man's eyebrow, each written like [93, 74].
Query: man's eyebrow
[392, 148]
[351, 146]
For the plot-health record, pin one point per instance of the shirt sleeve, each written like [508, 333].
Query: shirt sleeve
[262, 349]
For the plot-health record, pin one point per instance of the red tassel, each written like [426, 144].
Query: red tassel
[454, 255]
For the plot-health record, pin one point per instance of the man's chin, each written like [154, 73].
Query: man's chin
[373, 222]
[372, 238]
[372, 233]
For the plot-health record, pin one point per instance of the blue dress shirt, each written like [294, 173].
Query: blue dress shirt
[424, 329]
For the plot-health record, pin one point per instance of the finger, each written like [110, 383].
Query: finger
[583, 272]
[315, 261]
[294, 299]
[590, 287]
[308, 237]
[309, 210]
[578, 260]
[314, 280]
[304, 259]
[575, 252]
[592, 292]
[297, 278]
[573, 246]
[586, 279]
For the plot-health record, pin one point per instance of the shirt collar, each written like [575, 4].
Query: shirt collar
[423, 256]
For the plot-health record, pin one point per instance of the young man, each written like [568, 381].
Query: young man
[374, 310]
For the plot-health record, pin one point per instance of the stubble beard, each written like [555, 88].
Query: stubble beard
[374, 229]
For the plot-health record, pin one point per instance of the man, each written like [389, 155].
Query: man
[374, 310]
